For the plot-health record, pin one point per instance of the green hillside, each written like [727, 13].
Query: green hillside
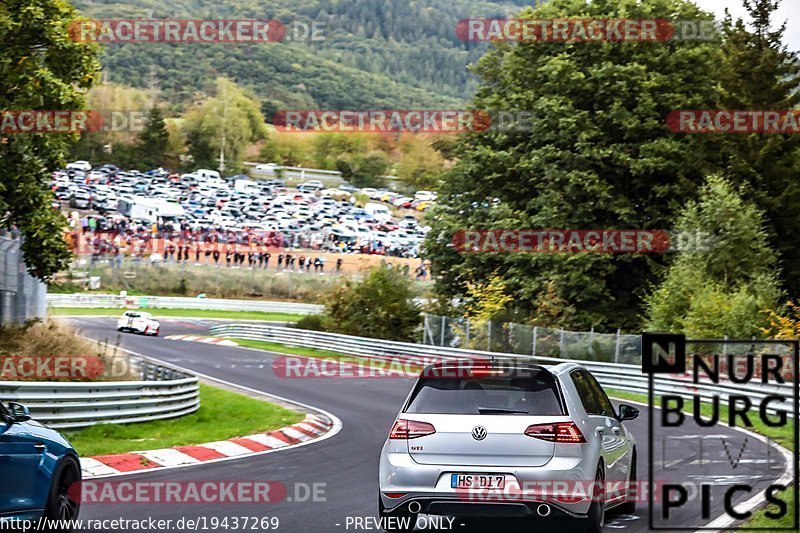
[377, 54]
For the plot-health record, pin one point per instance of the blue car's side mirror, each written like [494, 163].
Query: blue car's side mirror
[18, 412]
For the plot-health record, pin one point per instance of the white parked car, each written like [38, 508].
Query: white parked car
[80, 165]
[312, 185]
[138, 322]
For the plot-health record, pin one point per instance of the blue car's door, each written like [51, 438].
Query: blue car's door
[21, 456]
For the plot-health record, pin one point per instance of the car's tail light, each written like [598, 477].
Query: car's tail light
[410, 429]
[566, 432]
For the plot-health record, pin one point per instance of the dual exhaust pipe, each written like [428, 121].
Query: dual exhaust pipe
[543, 510]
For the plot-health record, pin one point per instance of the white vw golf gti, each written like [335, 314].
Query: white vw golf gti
[507, 439]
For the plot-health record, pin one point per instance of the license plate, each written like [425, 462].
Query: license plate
[477, 481]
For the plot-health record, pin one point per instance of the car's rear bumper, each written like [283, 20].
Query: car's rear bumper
[437, 504]
[526, 487]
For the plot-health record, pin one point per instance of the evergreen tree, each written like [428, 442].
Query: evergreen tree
[153, 139]
[596, 155]
[726, 288]
[760, 73]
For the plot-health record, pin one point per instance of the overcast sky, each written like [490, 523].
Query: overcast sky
[789, 11]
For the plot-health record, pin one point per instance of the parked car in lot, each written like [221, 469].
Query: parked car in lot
[80, 200]
[481, 429]
[204, 201]
[62, 192]
[83, 166]
[311, 185]
[38, 467]
[138, 322]
[266, 167]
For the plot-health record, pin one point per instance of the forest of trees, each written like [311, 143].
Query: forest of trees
[381, 54]
[599, 156]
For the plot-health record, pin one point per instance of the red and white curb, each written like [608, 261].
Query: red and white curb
[208, 340]
[311, 428]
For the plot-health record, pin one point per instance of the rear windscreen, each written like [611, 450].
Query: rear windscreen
[535, 394]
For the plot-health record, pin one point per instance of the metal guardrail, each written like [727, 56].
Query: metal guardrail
[161, 393]
[623, 377]
[176, 302]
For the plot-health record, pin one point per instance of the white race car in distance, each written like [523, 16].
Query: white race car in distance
[138, 322]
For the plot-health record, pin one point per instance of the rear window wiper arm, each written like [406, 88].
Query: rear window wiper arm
[501, 410]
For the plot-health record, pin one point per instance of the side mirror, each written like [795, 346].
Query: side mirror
[627, 412]
[18, 412]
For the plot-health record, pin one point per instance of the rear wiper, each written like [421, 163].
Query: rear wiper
[500, 410]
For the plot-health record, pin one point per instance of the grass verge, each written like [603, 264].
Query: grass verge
[782, 435]
[292, 350]
[222, 415]
[195, 313]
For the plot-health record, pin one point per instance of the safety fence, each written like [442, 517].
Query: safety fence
[177, 302]
[22, 297]
[523, 339]
[160, 392]
[623, 377]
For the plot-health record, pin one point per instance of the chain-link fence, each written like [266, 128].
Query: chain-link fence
[523, 339]
[22, 297]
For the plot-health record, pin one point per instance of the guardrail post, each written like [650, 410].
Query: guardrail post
[535, 333]
[561, 343]
[467, 335]
[424, 327]
[489, 337]
[444, 323]
[616, 347]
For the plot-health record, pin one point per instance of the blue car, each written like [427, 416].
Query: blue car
[37, 468]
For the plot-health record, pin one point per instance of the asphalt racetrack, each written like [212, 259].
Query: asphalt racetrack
[347, 463]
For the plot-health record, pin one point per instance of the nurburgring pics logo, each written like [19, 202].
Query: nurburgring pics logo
[714, 469]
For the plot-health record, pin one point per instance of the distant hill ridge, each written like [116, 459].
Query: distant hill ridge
[376, 53]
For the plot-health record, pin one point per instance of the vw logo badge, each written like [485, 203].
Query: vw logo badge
[479, 433]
